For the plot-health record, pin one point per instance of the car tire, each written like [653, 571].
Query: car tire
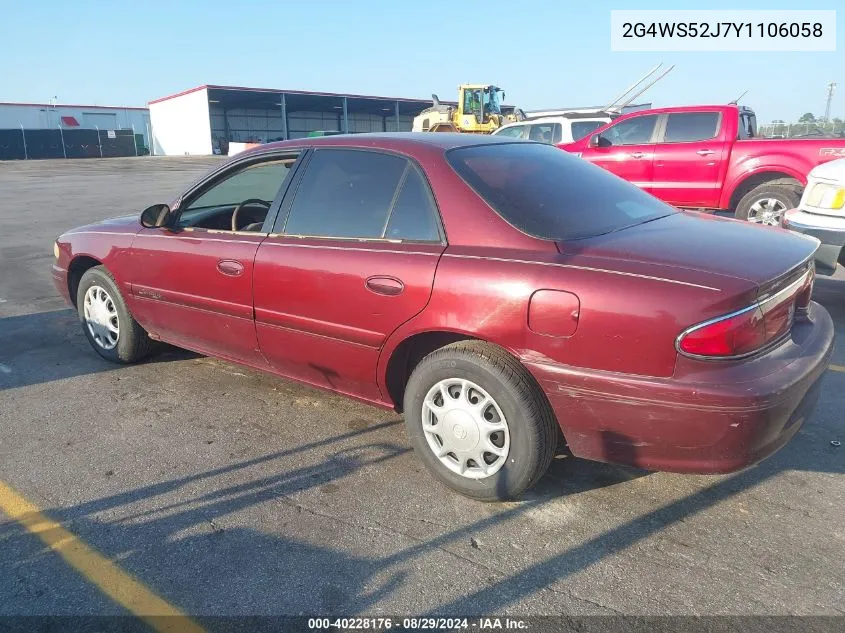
[767, 202]
[98, 302]
[514, 403]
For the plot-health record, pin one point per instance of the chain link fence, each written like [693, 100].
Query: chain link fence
[27, 144]
[816, 129]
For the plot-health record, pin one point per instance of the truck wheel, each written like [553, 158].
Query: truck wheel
[479, 422]
[767, 202]
[106, 321]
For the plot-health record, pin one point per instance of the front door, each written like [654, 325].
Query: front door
[192, 281]
[352, 257]
[627, 150]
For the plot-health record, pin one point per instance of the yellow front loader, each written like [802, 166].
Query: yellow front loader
[479, 111]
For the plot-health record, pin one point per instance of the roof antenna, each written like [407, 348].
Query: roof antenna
[736, 101]
[631, 88]
[635, 90]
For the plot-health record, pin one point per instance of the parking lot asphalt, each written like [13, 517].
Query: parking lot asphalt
[225, 491]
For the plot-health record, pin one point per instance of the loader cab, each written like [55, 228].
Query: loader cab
[480, 101]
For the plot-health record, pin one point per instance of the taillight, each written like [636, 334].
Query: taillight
[732, 335]
[802, 301]
[747, 331]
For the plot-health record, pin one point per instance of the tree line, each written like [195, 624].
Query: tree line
[808, 125]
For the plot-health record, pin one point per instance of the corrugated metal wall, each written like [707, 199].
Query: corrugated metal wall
[264, 126]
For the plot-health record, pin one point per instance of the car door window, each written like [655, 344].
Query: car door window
[686, 127]
[346, 194]
[544, 132]
[512, 132]
[414, 216]
[633, 131]
[580, 129]
[259, 183]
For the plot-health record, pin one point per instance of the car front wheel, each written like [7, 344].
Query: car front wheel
[106, 321]
[479, 421]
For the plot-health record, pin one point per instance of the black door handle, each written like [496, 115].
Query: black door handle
[383, 285]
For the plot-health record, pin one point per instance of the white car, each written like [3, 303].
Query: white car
[821, 213]
[552, 129]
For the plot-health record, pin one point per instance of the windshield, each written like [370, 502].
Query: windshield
[492, 101]
[551, 194]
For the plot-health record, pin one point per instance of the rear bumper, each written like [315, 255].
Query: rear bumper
[708, 418]
[829, 230]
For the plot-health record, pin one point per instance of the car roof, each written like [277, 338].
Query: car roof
[388, 140]
[689, 108]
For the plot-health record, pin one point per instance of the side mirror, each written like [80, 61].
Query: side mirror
[597, 140]
[155, 216]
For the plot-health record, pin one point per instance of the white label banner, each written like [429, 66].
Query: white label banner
[723, 30]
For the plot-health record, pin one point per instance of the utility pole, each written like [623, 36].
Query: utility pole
[830, 88]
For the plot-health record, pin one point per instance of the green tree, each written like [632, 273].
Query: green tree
[807, 117]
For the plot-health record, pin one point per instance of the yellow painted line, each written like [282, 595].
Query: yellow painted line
[117, 584]
[837, 368]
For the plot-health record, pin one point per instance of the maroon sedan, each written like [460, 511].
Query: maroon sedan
[500, 294]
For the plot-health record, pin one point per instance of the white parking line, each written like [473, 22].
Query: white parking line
[5, 369]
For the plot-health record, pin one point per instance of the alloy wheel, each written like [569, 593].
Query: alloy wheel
[768, 211]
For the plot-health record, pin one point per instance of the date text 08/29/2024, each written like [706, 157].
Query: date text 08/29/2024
[418, 624]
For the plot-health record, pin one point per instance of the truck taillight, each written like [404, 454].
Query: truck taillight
[747, 331]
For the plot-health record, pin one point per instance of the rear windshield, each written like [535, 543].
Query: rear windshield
[550, 194]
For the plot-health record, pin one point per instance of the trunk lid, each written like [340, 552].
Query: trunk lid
[765, 256]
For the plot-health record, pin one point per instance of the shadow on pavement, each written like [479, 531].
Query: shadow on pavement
[191, 547]
[47, 346]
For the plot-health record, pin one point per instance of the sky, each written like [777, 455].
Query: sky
[544, 54]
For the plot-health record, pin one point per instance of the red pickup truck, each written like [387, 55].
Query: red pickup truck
[708, 158]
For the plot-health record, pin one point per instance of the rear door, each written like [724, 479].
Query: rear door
[627, 150]
[688, 159]
[351, 258]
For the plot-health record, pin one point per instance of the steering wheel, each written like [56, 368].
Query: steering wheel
[245, 203]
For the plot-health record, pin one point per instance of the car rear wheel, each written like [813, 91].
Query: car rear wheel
[479, 422]
[766, 203]
[106, 321]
